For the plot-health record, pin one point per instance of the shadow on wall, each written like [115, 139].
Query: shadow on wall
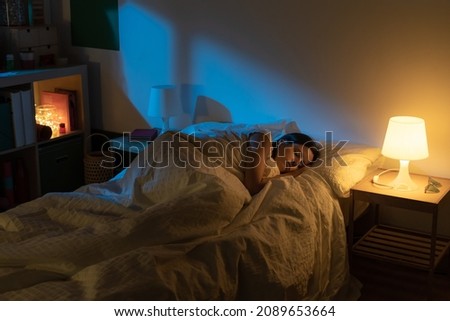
[95, 97]
[208, 109]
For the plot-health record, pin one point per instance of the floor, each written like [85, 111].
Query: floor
[392, 282]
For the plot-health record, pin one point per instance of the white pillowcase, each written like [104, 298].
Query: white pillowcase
[356, 159]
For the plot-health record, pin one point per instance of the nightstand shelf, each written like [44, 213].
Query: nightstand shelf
[400, 246]
[422, 250]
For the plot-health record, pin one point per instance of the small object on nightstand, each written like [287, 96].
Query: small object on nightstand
[144, 134]
[432, 186]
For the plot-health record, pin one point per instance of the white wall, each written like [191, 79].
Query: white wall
[345, 66]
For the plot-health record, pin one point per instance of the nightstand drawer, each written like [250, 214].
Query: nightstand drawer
[61, 165]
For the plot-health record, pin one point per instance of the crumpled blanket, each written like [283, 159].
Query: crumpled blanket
[176, 233]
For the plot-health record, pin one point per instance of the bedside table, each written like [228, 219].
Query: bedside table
[127, 148]
[392, 244]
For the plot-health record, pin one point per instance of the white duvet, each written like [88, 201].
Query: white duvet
[176, 233]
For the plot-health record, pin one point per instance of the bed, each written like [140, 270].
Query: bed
[162, 231]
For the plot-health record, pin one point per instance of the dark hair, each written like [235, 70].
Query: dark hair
[301, 139]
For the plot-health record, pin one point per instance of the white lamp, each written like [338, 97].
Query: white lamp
[405, 140]
[163, 103]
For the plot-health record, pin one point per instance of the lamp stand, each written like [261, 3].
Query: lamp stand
[165, 124]
[403, 181]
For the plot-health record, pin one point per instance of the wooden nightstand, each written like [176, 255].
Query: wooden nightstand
[411, 248]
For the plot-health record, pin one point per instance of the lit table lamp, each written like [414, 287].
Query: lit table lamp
[163, 103]
[405, 140]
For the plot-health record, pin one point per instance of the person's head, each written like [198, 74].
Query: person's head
[295, 150]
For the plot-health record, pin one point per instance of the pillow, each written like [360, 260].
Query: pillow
[213, 129]
[345, 167]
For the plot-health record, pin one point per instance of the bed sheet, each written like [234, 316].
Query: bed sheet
[172, 233]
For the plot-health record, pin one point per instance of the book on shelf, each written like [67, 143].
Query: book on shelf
[61, 103]
[148, 134]
[21, 115]
[73, 110]
[6, 127]
[14, 183]
[21, 181]
[17, 116]
[14, 98]
[29, 127]
[7, 184]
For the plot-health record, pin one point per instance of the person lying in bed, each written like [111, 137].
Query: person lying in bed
[290, 155]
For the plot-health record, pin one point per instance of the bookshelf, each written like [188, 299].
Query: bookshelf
[42, 165]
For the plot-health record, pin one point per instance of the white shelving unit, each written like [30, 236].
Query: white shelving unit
[55, 164]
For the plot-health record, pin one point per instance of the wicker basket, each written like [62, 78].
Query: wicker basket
[94, 172]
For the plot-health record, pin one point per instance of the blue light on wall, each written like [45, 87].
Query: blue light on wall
[252, 91]
[233, 80]
[147, 53]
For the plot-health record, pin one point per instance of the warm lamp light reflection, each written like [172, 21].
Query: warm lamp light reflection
[405, 140]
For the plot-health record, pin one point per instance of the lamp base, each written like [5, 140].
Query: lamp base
[403, 181]
[166, 126]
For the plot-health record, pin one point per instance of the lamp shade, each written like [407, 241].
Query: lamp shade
[163, 101]
[405, 139]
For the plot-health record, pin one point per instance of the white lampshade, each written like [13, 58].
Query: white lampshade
[405, 140]
[163, 103]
